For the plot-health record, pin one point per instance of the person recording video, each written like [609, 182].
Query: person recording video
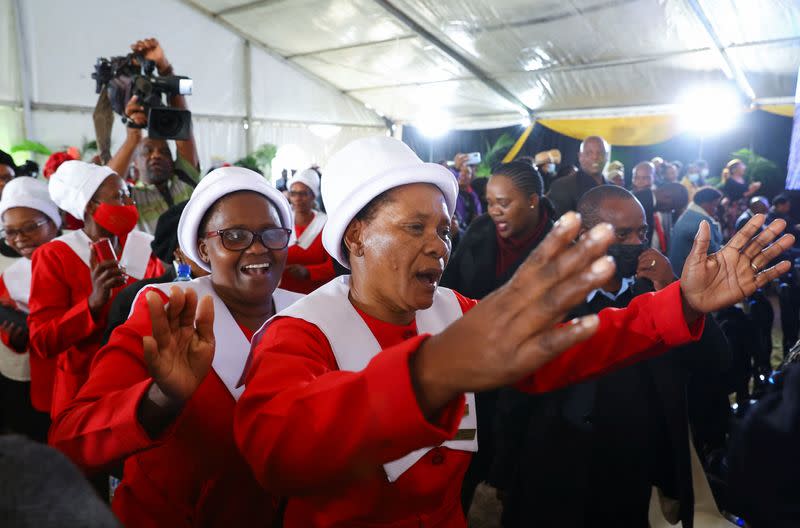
[158, 180]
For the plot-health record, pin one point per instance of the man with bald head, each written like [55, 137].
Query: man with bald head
[592, 158]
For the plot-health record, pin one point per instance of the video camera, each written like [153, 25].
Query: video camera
[131, 75]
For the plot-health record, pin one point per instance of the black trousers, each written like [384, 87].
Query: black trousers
[17, 414]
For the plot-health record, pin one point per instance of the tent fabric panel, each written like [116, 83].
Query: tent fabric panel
[216, 140]
[196, 46]
[280, 92]
[10, 89]
[737, 21]
[496, 36]
[301, 26]
[396, 62]
[770, 69]
[453, 98]
[309, 147]
[647, 83]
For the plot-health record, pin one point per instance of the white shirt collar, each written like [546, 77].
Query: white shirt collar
[627, 282]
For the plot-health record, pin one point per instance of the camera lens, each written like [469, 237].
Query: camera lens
[168, 124]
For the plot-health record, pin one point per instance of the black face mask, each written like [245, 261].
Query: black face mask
[627, 258]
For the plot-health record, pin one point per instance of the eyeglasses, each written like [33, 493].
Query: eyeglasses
[237, 239]
[27, 229]
[299, 194]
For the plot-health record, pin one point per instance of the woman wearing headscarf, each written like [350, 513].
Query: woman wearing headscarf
[359, 406]
[495, 245]
[30, 219]
[165, 407]
[308, 265]
[71, 290]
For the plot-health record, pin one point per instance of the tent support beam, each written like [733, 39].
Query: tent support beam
[731, 68]
[248, 97]
[24, 71]
[84, 109]
[453, 54]
[266, 49]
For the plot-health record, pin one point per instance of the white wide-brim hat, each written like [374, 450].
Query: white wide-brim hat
[307, 177]
[74, 183]
[366, 168]
[216, 184]
[24, 191]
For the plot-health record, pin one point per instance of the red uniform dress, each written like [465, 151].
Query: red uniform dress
[319, 435]
[192, 475]
[42, 370]
[60, 323]
[316, 260]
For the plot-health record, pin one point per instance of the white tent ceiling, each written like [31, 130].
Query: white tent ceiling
[282, 65]
[479, 60]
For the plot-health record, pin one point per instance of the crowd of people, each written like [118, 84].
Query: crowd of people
[366, 343]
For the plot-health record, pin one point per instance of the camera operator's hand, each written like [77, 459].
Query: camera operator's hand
[135, 113]
[150, 49]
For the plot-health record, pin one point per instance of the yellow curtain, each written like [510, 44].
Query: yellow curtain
[518, 145]
[622, 131]
[780, 109]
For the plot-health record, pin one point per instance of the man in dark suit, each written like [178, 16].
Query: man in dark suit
[592, 158]
[589, 455]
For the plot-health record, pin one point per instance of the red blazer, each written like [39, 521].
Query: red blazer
[43, 370]
[320, 436]
[60, 323]
[315, 259]
[192, 476]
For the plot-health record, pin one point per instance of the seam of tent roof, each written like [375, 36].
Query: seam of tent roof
[267, 49]
[734, 70]
[581, 67]
[482, 76]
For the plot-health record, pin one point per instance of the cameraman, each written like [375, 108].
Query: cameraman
[159, 182]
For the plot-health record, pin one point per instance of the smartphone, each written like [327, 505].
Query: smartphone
[104, 250]
[473, 158]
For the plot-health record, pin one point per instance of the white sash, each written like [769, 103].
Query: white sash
[135, 255]
[232, 348]
[17, 278]
[312, 230]
[354, 346]
[80, 243]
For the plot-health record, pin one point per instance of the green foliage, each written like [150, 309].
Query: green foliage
[762, 170]
[493, 155]
[33, 147]
[248, 162]
[89, 146]
[263, 157]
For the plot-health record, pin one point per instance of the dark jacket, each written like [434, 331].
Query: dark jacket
[471, 272]
[764, 457]
[568, 454]
[565, 192]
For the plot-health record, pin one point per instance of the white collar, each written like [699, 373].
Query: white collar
[627, 282]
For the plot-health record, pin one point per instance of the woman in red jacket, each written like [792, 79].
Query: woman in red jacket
[70, 290]
[167, 409]
[308, 265]
[30, 219]
[359, 405]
